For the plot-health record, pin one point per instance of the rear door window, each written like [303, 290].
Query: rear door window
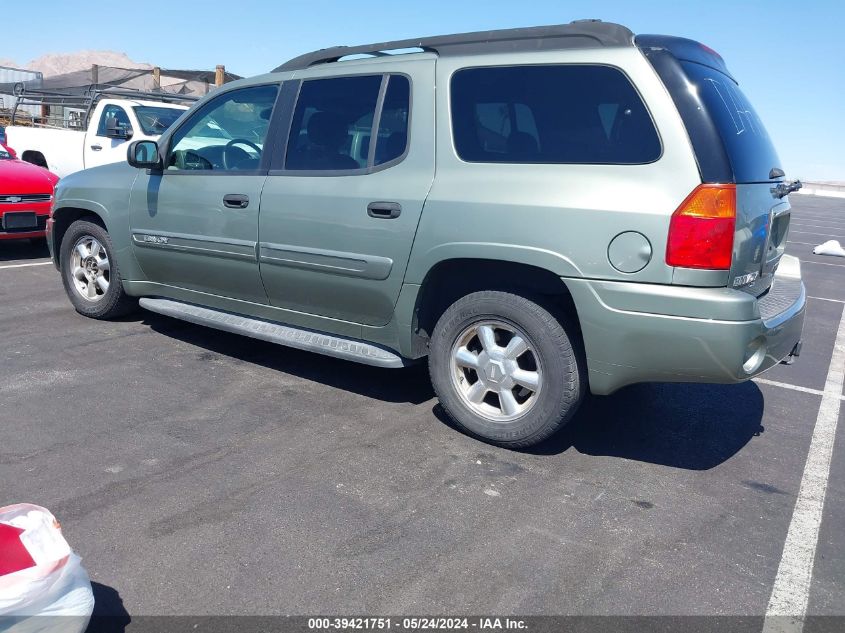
[749, 148]
[334, 119]
[332, 124]
[550, 114]
[393, 122]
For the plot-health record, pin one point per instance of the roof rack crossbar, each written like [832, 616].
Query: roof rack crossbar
[96, 91]
[577, 34]
[89, 97]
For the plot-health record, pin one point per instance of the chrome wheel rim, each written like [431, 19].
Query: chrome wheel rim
[90, 269]
[496, 371]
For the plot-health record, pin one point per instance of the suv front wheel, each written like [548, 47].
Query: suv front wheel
[504, 369]
[90, 273]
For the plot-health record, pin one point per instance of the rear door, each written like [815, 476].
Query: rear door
[343, 199]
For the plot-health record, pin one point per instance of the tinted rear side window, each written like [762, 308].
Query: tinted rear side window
[393, 123]
[749, 148]
[332, 124]
[550, 114]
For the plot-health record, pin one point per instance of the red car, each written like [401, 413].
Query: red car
[26, 193]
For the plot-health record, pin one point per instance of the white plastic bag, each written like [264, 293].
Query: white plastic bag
[831, 247]
[43, 586]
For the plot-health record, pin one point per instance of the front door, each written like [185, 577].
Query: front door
[195, 224]
[343, 199]
[101, 149]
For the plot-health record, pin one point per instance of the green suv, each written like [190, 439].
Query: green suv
[538, 211]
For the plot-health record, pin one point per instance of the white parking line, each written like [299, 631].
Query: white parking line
[830, 237]
[826, 299]
[807, 261]
[818, 226]
[791, 591]
[25, 265]
[786, 385]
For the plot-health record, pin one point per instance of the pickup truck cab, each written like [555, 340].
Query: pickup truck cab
[538, 212]
[111, 126]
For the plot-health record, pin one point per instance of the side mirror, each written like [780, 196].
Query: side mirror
[115, 130]
[143, 155]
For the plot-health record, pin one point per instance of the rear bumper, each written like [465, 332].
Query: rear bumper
[648, 333]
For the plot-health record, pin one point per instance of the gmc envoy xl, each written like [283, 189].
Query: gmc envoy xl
[538, 211]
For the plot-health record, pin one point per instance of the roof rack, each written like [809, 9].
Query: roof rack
[87, 98]
[95, 91]
[577, 34]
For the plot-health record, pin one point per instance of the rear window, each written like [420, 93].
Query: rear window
[550, 114]
[746, 141]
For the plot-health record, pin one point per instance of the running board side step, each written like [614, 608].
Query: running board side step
[348, 349]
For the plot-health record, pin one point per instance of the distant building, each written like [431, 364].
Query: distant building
[10, 77]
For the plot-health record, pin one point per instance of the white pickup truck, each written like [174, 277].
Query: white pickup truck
[111, 125]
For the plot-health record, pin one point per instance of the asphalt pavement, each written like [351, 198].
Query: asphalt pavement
[198, 472]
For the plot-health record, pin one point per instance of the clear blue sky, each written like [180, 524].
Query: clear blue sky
[788, 56]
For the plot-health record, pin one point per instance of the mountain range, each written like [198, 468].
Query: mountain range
[59, 63]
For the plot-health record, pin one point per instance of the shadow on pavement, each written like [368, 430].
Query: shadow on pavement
[410, 385]
[11, 250]
[109, 615]
[683, 425]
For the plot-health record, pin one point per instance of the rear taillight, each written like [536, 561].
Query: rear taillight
[701, 232]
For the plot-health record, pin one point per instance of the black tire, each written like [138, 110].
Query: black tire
[114, 302]
[563, 379]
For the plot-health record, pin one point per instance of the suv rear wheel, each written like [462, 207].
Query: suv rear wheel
[90, 273]
[504, 369]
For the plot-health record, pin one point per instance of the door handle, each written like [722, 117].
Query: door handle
[96, 148]
[236, 201]
[384, 210]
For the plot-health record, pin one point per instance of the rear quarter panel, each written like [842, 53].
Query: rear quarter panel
[558, 217]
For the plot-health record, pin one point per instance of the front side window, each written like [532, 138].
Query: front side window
[226, 134]
[550, 114]
[116, 113]
[332, 128]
